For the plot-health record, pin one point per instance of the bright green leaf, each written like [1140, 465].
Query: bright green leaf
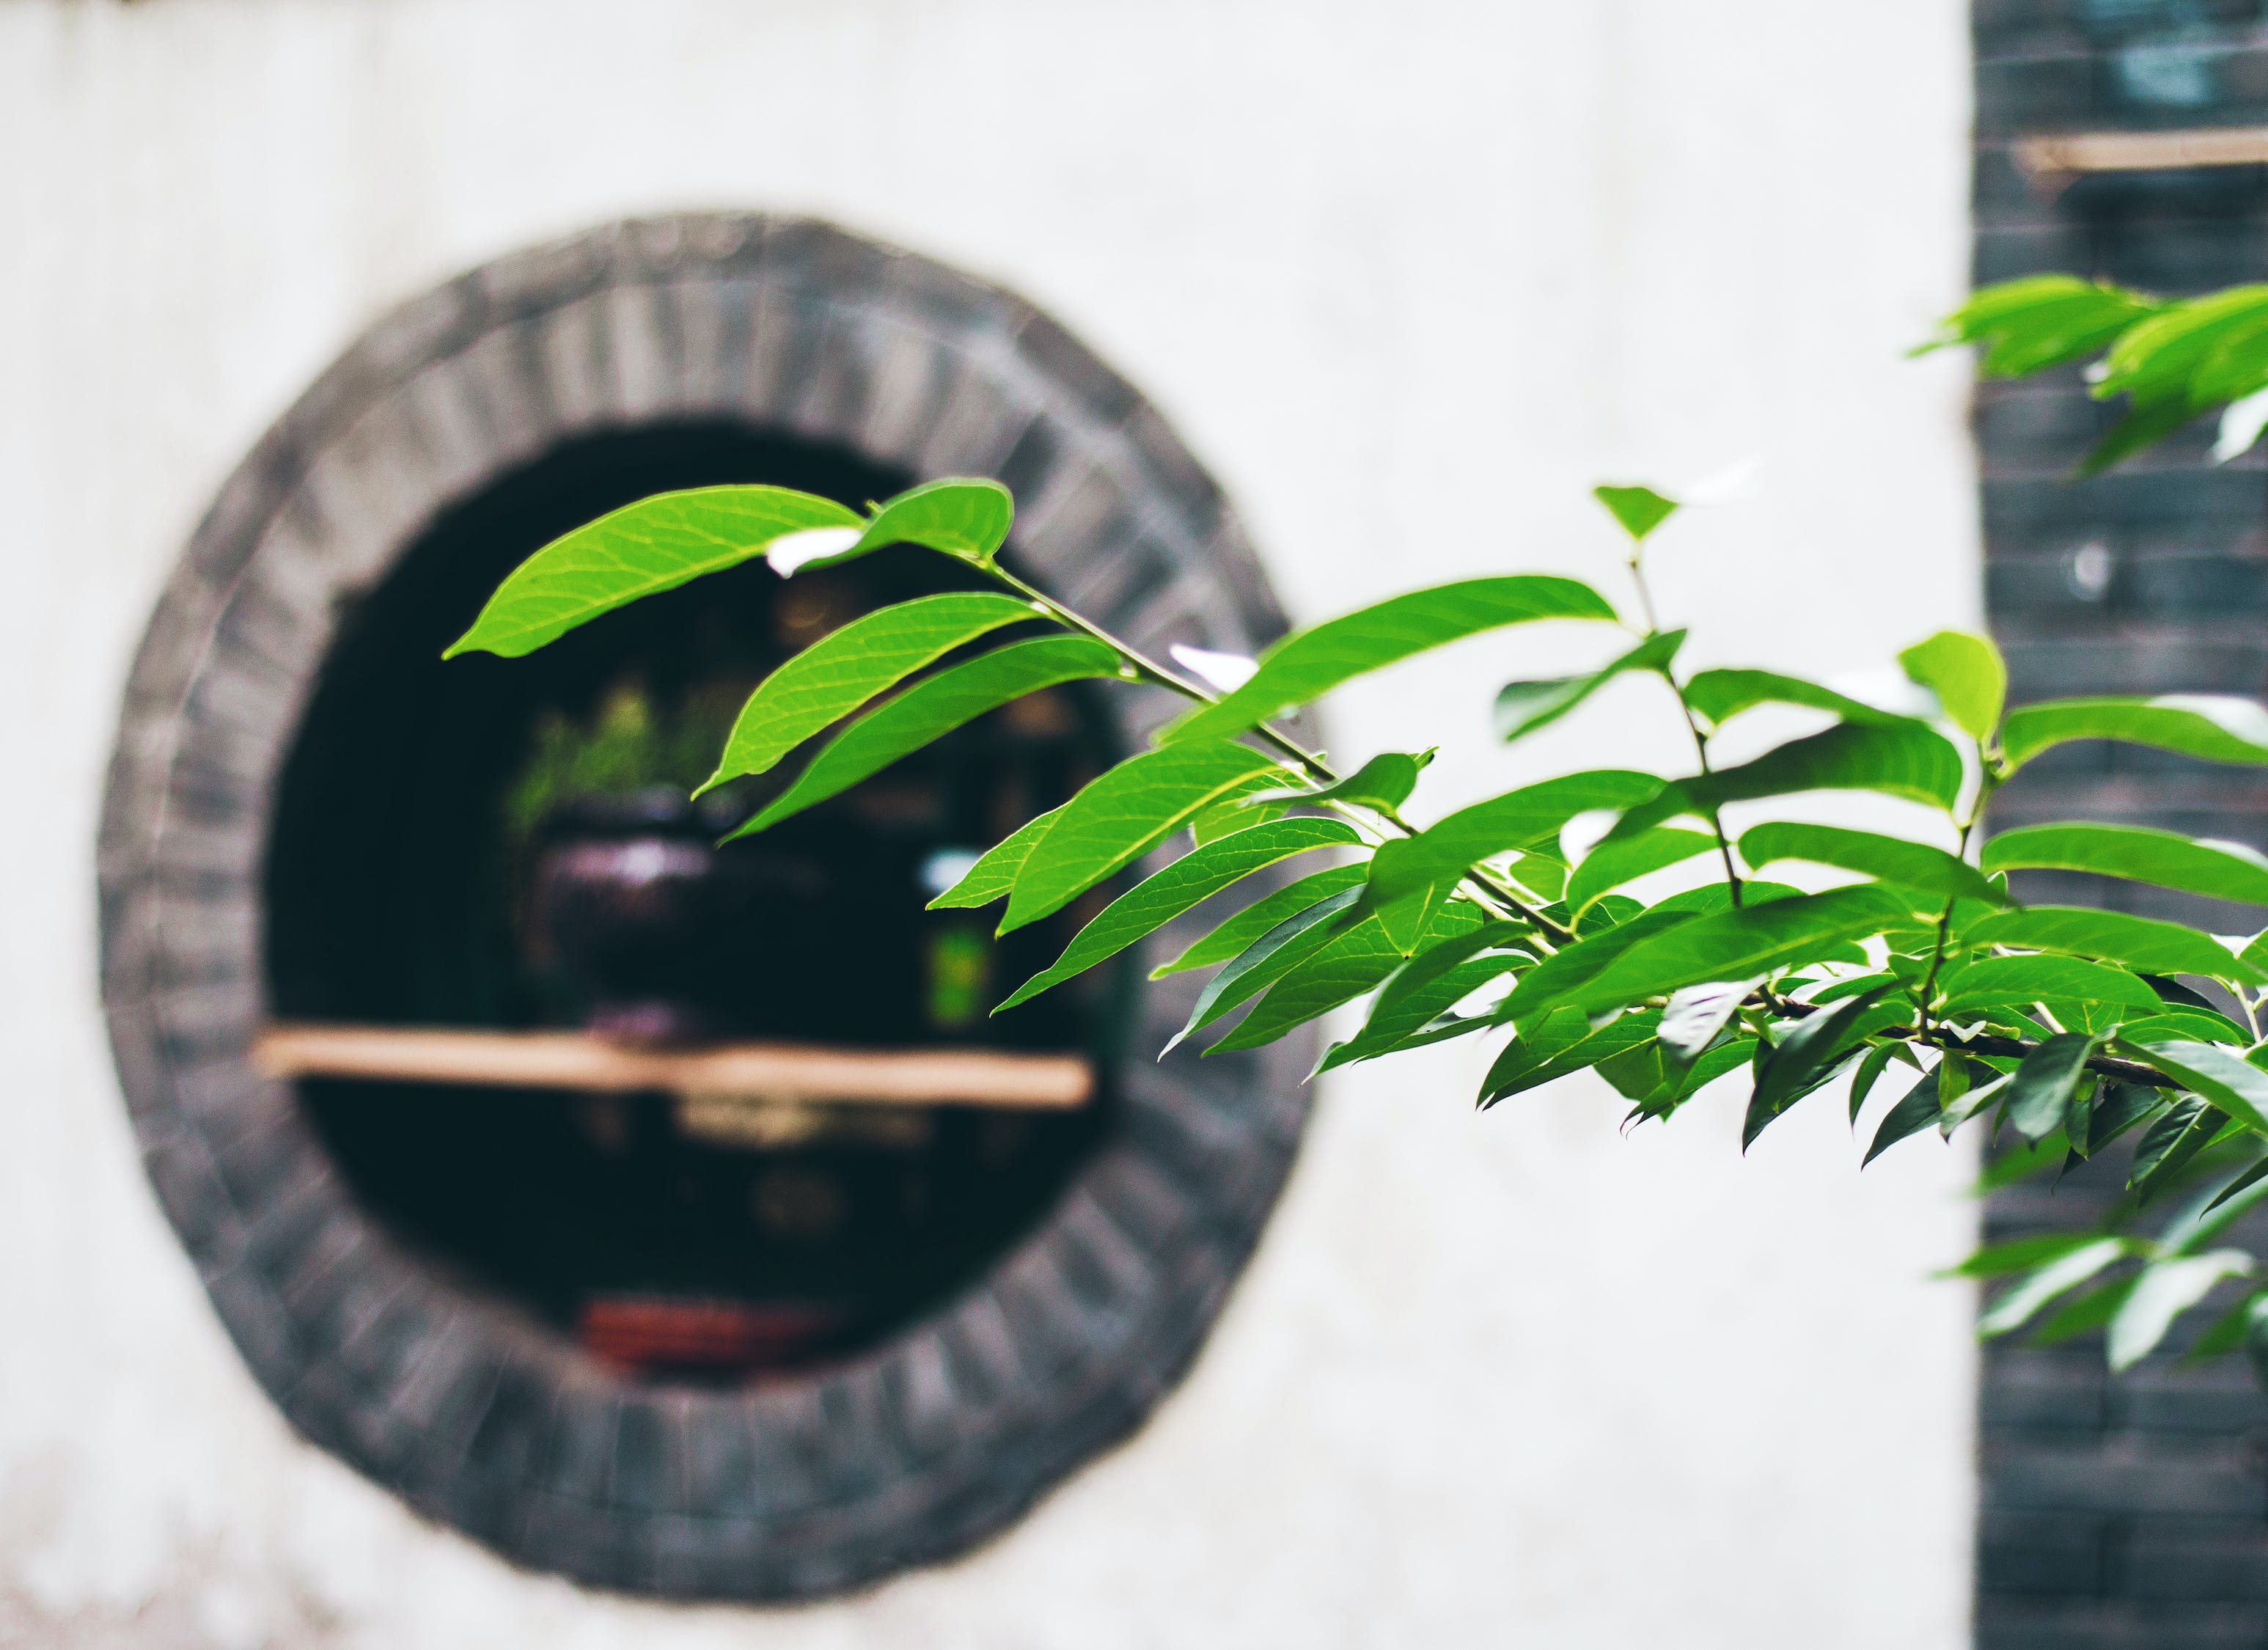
[2221, 1075]
[1967, 675]
[1721, 694]
[845, 668]
[994, 874]
[1640, 510]
[1384, 782]
[1267, 960]
[2140, 943]
[1905, 760]
[1430, 984]
[1611, 864]
[1190, 880]
[1562, 1042]
[1123, 815]
[654, 545]
[1248, 924]
[967, 519]
[1887, 858]
[2220, 871]
[1308, 664]
[1521, 707]
[2210, 726]
[2042, 321]
[932, 708]
[1358, 957]
[2019, 982]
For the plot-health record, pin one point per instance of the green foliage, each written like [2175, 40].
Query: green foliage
[1510, 921]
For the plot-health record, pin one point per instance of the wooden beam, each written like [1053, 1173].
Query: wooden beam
[780, 1071]
[2053, 158]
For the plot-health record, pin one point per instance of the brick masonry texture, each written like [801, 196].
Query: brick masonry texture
[2120, 1512]
[910, 1452]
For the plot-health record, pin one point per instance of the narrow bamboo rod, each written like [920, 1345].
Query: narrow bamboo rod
[2057, 155]
[787, 1072]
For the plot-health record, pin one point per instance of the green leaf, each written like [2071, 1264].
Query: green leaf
[1918, 1109]
[1422, 869]
[1640, 510]
[2042, 321]
[1234, 814]
[1871, 1067]
[1720, 695]
[654, 545]
[995, 872]
[2119, 1108]
[2161, 1294]
[2223, 1077]
[2092, 1311]
[2248, 1316]
[1562, 1042]
[2171, 1141]
[1695, 1016]
[2140, 943]
[1902, 760]
[1611, 864]
[2254, 1180]
[1384, 782]
[2020, 981]
[1889, 858]
[1569, 970]
[2015, 1308]
[1807, 1056]
[845, 668]
[932, 708]
[1123, 815]
[1267, 960]
[1190, 880]
[964, 518]
[1308, 664]
[1967, 675]
[1358, 957]
[2041, 1092]
[1521, 707]
[2213, 728]
[2020, 1255]
[1430, 984]
[1248, 924]
[2220, 871]
[1737, 945]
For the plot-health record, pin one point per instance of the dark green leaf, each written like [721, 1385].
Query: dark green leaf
[2224, 1077]
[1915, 1110]
[1561, 1044]
[1559, 978]
[1611, 864]
[964, 518]
[1640, 510]
[1736, 944]
[2119, 1108]
[2254, 1180]
[1871, 1067]
[845, 668]
[1966, 675]
[1807, 1056]
[2044, 1083]
[1193, 877]
[932, 708]
[1521, 707]
[1267, 960]
[1239, 930]
[1890, 858]
[2212, 727]
[2171, 1141]
[654, 545]
[2220, 871]
[1308, 664]
[992, 877]
[2091, 1312]
[1721, 694]
[1123, 815]
[2140, 943]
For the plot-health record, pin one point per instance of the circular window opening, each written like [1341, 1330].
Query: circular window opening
[680, 1338]
[509, 844]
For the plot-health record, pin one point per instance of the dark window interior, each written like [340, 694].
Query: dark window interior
[500, 843]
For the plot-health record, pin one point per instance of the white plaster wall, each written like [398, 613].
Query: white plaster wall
[1411, 277]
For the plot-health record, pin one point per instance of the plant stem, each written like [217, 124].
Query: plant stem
[1988, 780]
[1692, 722]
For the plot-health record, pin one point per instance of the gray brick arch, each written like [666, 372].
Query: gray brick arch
[904, 1454]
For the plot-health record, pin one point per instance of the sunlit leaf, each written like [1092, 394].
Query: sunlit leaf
[1905, 760]
[994, 874]
[1640, 510]
[1523, 707]
[1611, 864]
[1123, 815]
[1310, 663]
[654, 545]
[1193, 877]
[1358, 957]
[2042, 321]
[1267, 960]
[964, 518]
[932, 708]
[1889, 858]
[845, 668]
[2220, 871]
[1562, 1042]
[2221, 1075]
[2020, 981]
[1721, 694]
[2213, 728]
[1967, 675]
[1428, 985]
[1384, 782]
[2140, 943]
[1248, 924]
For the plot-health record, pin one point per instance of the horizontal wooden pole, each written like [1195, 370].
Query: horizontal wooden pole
[2068, 154]
[787, 1072]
